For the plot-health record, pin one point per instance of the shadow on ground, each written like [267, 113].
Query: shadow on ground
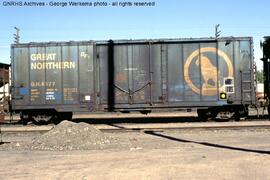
[206, 143]
[137, 120]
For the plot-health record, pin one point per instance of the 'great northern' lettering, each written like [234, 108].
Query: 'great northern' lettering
[53, 65]
[48, 61]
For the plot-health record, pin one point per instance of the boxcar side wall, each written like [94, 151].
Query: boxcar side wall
[53, 76]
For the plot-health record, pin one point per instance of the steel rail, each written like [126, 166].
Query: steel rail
[121, 129]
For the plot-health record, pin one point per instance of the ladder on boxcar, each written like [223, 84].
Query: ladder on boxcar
[247, 87]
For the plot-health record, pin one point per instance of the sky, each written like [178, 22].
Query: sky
[167, 19]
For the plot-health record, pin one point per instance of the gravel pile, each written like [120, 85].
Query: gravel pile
[67, 136]
[71, 136]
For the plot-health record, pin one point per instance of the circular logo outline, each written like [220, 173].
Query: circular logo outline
[199, 52]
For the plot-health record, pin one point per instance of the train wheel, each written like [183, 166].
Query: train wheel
[240, 112]
[204, 114]
[24, 121]
[237, 117]
[25, 118]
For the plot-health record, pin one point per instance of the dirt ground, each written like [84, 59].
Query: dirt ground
[230, 154]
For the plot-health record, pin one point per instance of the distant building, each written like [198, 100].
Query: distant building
[4, 80]
[4, 74]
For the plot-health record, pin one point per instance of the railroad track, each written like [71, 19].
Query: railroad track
[206, 128]
[160, 127]
[25, 129]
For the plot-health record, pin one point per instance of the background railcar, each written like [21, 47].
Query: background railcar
[57, 78]
[266, 69]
